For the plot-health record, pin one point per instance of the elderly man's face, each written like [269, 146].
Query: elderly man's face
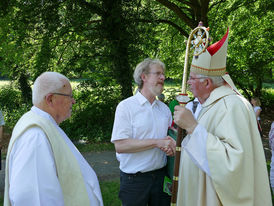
[63, 102]
[195, 85]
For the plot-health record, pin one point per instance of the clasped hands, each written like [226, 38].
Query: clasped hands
[168, 145]
[184, 119]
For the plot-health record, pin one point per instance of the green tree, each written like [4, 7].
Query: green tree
[73, 37]
[250, 53]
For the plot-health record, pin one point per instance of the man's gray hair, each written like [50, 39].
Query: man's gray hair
[47, 82]
[144, 67]
[216, 80]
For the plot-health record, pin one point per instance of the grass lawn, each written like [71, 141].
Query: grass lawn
[110, 190]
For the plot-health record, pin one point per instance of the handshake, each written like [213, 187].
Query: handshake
[168, 145]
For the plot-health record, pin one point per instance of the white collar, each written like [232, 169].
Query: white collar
[44, 114]
[142, 99]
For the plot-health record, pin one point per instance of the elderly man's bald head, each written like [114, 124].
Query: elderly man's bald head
[47, 82]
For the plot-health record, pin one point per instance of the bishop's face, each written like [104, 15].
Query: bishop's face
[154, 80]
[196, 85]
[201, 87]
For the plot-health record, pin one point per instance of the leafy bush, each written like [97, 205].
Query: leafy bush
[93, 114]
[12, 106]
[91, 119]
[267, 98]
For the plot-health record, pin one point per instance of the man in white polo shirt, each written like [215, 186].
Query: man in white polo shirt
[140, 138]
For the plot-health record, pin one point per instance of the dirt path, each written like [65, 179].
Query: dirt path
[104, 164]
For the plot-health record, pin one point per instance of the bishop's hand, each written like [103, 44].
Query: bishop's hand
[184, 119]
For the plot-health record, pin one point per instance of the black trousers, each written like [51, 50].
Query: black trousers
[143, 189]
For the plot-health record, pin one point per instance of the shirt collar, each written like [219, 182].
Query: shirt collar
[142, 100]
[196, 100]
[42, 113]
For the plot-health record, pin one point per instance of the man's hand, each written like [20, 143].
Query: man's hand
[184, 118]
[168, 145]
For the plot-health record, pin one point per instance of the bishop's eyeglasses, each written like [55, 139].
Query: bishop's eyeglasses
[66, 95]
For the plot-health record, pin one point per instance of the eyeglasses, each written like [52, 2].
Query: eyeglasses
[158, 74]
[193, 78]
[66, 95]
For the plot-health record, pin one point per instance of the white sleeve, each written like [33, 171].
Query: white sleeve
[32, 172]
[196, 148]
[122, 128]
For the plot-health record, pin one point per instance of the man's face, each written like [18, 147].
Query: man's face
[195, 85]
[154, 80]
[63, 104]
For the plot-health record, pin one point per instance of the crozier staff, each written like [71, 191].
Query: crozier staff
[199, 39]
[222, 159]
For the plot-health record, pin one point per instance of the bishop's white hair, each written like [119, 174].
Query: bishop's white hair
[47, 82]
[216, 80]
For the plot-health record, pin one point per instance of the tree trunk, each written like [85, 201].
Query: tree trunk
[114, 28]
[25, 87]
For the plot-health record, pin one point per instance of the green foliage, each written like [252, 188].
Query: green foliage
[94, 39]
[12, 105]
[75, 38]
[267, 98]
[250, 50]
[94, 111]
[92, 115]
[172, 89]
[78, 38]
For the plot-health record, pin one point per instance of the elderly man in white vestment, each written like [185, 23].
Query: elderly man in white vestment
[222, 158]
[43, 167]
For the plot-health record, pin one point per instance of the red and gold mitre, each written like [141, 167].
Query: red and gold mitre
[212, 62]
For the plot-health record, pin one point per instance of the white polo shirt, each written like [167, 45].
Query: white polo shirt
[137, 118]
